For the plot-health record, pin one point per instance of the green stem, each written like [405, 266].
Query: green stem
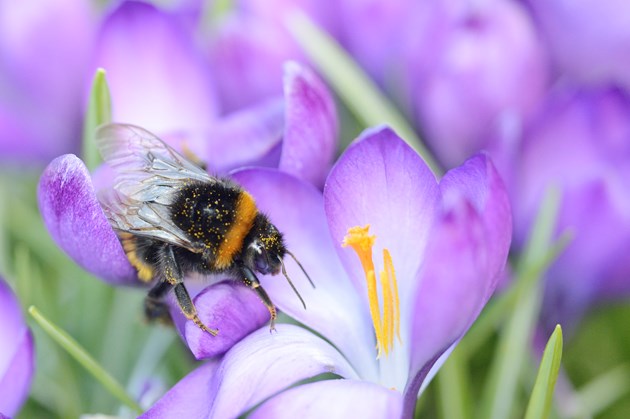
[80, 354]
[454, 387]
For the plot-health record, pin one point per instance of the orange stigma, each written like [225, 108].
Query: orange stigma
[388, 324]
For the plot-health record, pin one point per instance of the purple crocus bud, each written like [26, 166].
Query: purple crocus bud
[44, 54]
[589, 40]
[16, 353]
[157, 76]
[581, 145]
[436, 250]
[473, 70]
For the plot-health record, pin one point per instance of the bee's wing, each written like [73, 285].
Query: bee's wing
[145, 165]
[148, 175]
[147, 219]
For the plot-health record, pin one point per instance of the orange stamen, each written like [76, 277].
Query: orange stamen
[388, 324]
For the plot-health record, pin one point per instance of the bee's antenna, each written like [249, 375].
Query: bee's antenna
[302, 268]
[284, 272]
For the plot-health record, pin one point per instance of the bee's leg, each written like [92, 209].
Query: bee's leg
[173, 276]
[250, 279]
[154, 307]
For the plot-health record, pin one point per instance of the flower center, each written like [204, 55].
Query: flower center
[387, 323]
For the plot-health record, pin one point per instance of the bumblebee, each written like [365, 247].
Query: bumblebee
[173, 218]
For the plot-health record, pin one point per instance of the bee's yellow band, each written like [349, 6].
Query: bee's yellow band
[145, 272]
[232, 243]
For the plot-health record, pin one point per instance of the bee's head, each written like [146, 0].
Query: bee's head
[266, 249]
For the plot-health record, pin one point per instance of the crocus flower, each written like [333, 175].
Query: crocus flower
[403, 265]
[581, 145]
[44, 54]
[16, 353]
[296, 134]
[589, 40]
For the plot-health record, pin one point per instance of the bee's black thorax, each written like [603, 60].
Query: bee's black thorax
[205, 211]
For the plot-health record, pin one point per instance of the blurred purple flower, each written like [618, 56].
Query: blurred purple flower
[44, 54]
[474, 70]
[16, 353]
[157, 76]
[447, 245]
[580, 144]
[589, 40]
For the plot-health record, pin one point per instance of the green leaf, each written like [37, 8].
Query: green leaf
[82, 357]
[99, 112]
[542, 395]
[353, 86]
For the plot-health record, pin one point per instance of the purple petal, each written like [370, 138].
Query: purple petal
[310, 137]
[343, 399]
[589, 41]
[452, 286]
[477, 68]
[247, 137]
[233, 309]
[75, 220]
[44, 53]
[247, 55]
[157, 78]
[16, 380]
[16, 353]
[265, 363]
[382, 182]
[464, 259]
[188, 398]
[254, 369]
[333, 309]
[478, 182]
